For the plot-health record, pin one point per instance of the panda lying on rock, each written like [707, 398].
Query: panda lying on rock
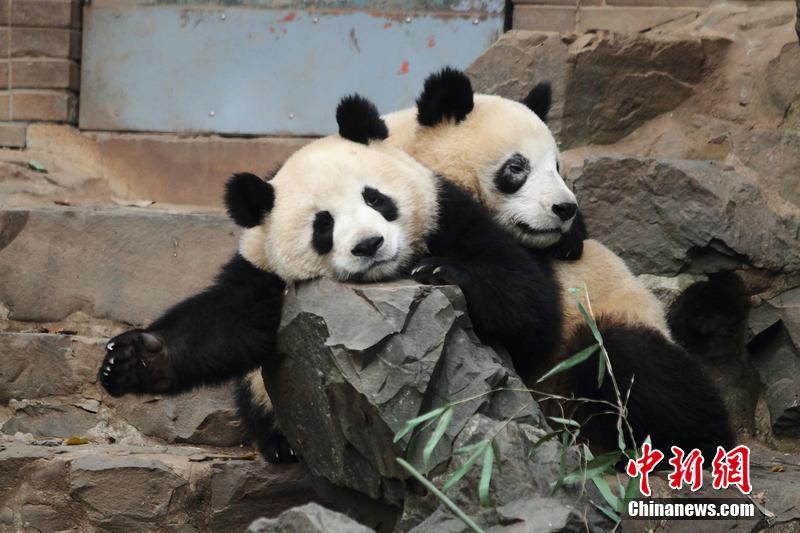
[353, 208]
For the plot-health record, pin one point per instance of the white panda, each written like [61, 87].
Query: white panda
[503, 153]
[349, 207]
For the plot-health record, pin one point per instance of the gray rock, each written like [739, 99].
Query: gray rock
[605, 84]
[49, 419]
[665, 217]
[125, 264]
[309, 518]
[774, 347]
[358, 361]
[35, 365]
[203, 416]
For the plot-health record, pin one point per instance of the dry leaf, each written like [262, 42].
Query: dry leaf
[76, 441]
[777, 468]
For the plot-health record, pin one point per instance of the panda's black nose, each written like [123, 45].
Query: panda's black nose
[367, 247]
[565, 211]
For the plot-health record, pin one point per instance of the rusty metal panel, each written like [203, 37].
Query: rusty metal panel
[251, 70]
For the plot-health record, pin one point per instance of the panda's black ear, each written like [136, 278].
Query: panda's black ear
[447, 94]
[248, 199]
[359, 121]
[540, 99]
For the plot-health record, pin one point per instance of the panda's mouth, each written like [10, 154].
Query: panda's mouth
[525, 228]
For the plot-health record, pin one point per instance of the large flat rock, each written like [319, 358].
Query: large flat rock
[133, 488]
[666, 217]
[125, 264]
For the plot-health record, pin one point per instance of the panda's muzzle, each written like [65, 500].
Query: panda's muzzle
[368, 247]
[534, 231]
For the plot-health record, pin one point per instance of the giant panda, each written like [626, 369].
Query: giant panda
[502, 152]
[349, 207]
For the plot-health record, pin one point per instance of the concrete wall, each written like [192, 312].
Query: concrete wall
[39, 65]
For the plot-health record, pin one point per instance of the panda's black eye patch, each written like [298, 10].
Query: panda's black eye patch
[380, 203]
[322, 239]
[513, 174]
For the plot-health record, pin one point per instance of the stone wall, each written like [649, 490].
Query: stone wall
[39, 73]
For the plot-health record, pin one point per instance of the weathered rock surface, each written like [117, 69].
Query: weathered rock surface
[774, 346]
[47, 381]
[361, 360]
[605, 84]
[667, 217]
[309, 518]
[101, 261]
[135, 488]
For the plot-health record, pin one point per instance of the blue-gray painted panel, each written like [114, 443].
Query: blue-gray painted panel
[260, 71]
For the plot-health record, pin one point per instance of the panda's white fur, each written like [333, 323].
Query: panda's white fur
[469, 153]
[330, 174]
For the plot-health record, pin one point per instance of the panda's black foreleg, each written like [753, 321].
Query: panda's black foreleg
[672, 400]
[511, 295]
[215, 335]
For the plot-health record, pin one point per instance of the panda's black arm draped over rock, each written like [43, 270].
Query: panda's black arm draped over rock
[511, 295]
[215, 335]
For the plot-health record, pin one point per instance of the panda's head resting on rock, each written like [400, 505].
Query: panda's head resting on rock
[499, 150]
[347, 206]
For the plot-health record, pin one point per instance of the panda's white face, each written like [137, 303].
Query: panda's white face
[346, 211]
[527, 194]
[506, 156]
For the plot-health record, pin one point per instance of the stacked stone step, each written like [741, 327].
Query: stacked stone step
[69, 279]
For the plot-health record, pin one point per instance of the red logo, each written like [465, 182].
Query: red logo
[643, 466]
[727, 468]
[686, 469]
[732, 468]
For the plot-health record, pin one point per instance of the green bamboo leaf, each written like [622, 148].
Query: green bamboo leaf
[439, 494]
[595, 467]
[464, 468]
[608, 512]
[438, 433]
[486, 476]
[601, 370]
[469, 448]
[545, 438]
[497, 457]
[620, 434]
[606, 492]
[37, 166]
[565, 421]
[414, 422]
[576, 359]
[632, 490]
[590, 322]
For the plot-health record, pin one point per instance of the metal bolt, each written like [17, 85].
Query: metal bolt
[223, 16]
[408, 20]
[212, 113]
[476, 22]
[315, 20]
[291, 116]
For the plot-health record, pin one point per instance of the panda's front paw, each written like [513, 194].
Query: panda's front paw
[135, 361]
[438, 271]
[277, 449]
